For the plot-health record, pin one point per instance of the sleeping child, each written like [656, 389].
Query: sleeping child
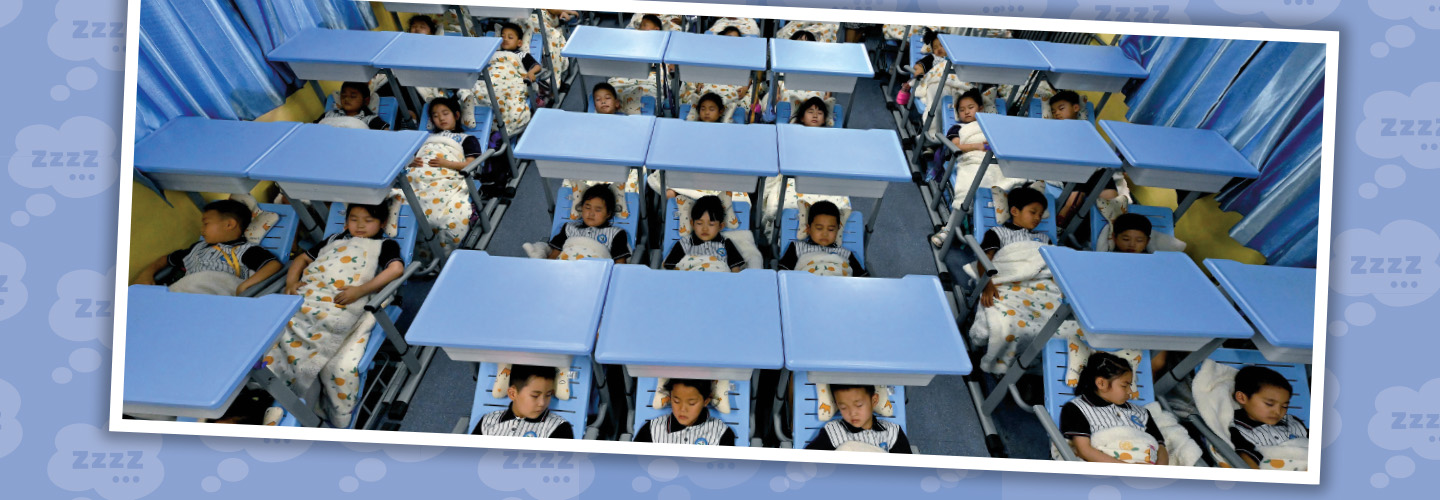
[352, 110]
[224, 263]
[1102, 424]
[435, 175]
[710, 109]
[1130, 233]
[927, 73]
[820, 251]
[630, 91]
[592, 236]
[510, 41]
[741, 25]
[704, 249]
[967, 136]
[857, 429]
[1262, 427]
[530, 391]
[689, 421]
[509, 75]
[811, 113]
[823, 32]
[327, 336]
[607, 100]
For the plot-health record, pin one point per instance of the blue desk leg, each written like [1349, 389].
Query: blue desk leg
[499, 120]
[1185, 203]
[1032, 350]
[1163, 383]
[779, 217]
[286, 397]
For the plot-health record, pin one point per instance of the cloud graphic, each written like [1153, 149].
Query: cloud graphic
[264, 450]
[1007, 8]
[1332, 413]
[710, 474]
[85, 309]
[398, 453]
[1400, 125]
[78, 160]
[1144, 11]
[13, 294]
[1425, 14]
[1408, 419]
[10, 429]
[1398, 266]
[116, 466]
[1283, 12]
[543, 475]
[8, 11]
[89, 29]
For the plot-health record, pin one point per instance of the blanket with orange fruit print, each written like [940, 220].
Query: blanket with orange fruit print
[1028, 297]
[322, 342]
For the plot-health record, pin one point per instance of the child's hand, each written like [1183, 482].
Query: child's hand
[987, 297]
[292, 288]
[348, 294]
[417, 162]
[670, 193]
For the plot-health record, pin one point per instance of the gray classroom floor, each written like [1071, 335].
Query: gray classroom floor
[941, 418]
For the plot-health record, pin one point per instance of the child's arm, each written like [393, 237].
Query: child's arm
[556, 243]
[728, 438]
[147, 275]
[297, 266]
[902, 443]
[642, 435]
[733, 258]
[562, 431]
[349, 294]
[1089, 453]
[992, 292]
[620, 246]
[821, 442]
[264, 273]
[1164, 457]
[787, 261]
[856, 269]
[676, 253]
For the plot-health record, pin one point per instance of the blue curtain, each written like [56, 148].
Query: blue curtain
[1267, 99]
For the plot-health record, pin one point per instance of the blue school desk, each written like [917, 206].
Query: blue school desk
[841, 162]
[199, 154]
[700, 325]
[1100, 68]
[724, 60]
[1003, 61]
[686, 154]
[540, 312]
[869, 330]
[589, 146]
[626, 53]
[820, 67]
[181, 361]
[1279, 302]
[454, 62]
[333, 55]
[1195, 160]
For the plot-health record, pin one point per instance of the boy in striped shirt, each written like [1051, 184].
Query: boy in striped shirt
[1027, 208]
[857, 423]
[531, 388]
[1264, 397]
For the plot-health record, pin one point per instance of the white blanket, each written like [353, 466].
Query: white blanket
[208, 283]
[1290, 455]
[345, 122]
[824, 264]
[324, 341]
[1182, 450]
[1028, 297]
[511, 93]
[709, 263]
[969, 164]
[1127, 444]
[583, 248]
[442, 192]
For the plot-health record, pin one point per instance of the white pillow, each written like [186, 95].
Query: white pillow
[721, 391]
[684, 205]
[260, 220]
[1002, 203]
[825, 402]
[392, 222]
[803, 218]
[577, 190]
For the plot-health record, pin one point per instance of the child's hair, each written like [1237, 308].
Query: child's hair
[606, 86]
[603, 192]
[836, 388]
[1126, 222]
[381, 211]
[453, 105]
[1066, 96]
[230, 209]
[973, 95]
[1022, 197]
[1252, 378]
[706, 387]
[1102, 365]
[730, 29]
[519, 32]
[803, 35]
[708, 205]
[712, 97]
[654, 19]
[423, 19]
[520, 375]
[813, 102]
[823, 208]
[929, 37]
[361, 87]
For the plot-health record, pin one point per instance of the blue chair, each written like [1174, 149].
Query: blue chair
[852, 234]
[630, 224]
[1057, 393]
[672, 222]
[739, 419]
[575, 410]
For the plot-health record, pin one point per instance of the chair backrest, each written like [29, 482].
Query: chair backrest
[483, 122]
[983, 217]
[1161, 219]
[807, 425]
[562, 215]
[1293, 372]
[281, 236]
[1057, 393]
[404, 235]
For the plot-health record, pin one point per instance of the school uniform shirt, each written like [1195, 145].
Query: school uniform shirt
[804, 247]
[389, 250]
[926, 62]
[1086, 415]
[507, 423]
[238, 257]
[468, 143]
[1248, 434]
[885, 435]
[617, 239]
[1007, 233]
[719, 247]
[371, 119]
[669, 430]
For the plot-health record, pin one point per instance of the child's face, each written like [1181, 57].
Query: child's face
[216, 228]
[1061, 110]
[813, 117]
[352, 100]
[1115, 390]
[857, 407]
[593, 212]
[705, 228]
[442, 117]
[1131, 241]
[709, 112]
[823, 229]
[686, 403]
[1267, 405]
[509, 39]
[965, 110]
[605, 102]
[937, 49]
[731, 33]
[361, 224]
[1028, 216]
[420, 29]
[533, 399]
[648, 25]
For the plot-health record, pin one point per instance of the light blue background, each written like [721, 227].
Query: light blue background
[57, 265]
